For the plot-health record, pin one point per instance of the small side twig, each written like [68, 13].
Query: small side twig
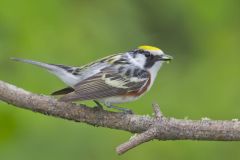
[146, 136]
[136, 140]
[157, 111]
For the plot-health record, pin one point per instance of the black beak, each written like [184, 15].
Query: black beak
[165, 57]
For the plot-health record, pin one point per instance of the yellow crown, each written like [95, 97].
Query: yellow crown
[149, 48]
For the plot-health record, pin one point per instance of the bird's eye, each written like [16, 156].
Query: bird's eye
[147, 54]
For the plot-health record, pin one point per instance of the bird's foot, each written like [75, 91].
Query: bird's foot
[124, 110]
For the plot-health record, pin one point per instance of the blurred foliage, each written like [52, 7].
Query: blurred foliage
[202, 81]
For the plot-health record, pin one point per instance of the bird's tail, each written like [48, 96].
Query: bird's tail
[61, 71]
[63, 91]
[40, 64]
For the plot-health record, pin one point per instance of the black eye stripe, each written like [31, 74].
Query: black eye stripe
[151, 61]
[147, 54]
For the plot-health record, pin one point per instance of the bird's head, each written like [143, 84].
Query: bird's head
[149, 57]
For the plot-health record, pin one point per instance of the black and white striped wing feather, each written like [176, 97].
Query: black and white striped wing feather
[107, 83]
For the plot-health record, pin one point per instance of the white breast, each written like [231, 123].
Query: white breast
[154, 71]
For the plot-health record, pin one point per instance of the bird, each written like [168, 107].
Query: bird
[115, 79]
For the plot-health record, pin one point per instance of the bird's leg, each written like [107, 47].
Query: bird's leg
[125, 110]
[99, 105]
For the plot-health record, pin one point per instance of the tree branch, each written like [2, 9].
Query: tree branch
[149, 128]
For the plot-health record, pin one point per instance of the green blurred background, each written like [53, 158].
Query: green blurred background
[202, 80]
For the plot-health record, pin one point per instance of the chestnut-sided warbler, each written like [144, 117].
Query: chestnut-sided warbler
[118, 78]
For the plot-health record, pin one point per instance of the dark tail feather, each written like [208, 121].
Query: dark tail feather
[63, 91]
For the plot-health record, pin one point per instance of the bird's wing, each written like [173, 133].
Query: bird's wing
[108, 83]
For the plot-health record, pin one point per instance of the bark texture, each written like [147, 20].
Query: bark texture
[146, 128]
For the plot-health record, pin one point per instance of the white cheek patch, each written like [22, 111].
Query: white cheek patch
[138, 61]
